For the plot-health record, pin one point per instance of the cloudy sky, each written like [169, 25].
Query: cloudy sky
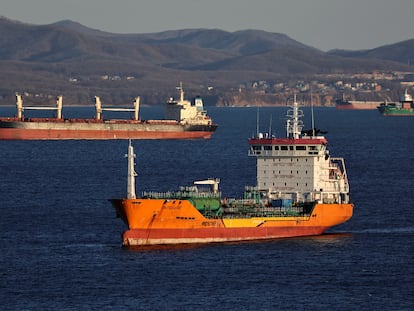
[324, 24]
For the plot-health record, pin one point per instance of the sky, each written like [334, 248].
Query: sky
[323, 24]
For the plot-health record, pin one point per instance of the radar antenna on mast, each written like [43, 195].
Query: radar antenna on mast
[294, 124]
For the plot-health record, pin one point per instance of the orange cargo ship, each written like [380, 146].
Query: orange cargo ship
[183, 120]
[301, 190]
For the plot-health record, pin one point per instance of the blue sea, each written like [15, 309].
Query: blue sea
[60, 242]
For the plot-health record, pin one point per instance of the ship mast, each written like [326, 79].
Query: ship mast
[131, 172]
[181, 92]
[293, 123]
[313, 118]
[59, 104]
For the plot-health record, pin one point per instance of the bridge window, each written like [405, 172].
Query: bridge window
[300, 147]
[276, 147]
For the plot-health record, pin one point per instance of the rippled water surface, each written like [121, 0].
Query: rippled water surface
[60, 240]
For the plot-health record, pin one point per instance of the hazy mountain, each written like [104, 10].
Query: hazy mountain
[402, 52]
[70, 58]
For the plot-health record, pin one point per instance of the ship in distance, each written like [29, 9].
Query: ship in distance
[344, 104]
[403, 108]
[183, 120]
[301, 191]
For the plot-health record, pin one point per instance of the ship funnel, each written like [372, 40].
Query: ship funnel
[131, 172]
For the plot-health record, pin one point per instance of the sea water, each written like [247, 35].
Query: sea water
[60, 242]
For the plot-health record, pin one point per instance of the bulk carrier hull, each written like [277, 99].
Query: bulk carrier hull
[183, 120]
[356, 105]
[155, 222]
[95, 130]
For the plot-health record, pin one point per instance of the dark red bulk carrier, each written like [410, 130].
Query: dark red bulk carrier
[183, 120]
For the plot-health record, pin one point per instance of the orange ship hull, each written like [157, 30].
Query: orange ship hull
[155, 221]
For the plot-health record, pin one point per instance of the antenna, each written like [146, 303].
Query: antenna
[257, 122]
[294, 123]
[313, 119]
[270, 126]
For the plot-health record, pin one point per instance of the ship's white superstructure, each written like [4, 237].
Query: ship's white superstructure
[185, 111]
[299, 167]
